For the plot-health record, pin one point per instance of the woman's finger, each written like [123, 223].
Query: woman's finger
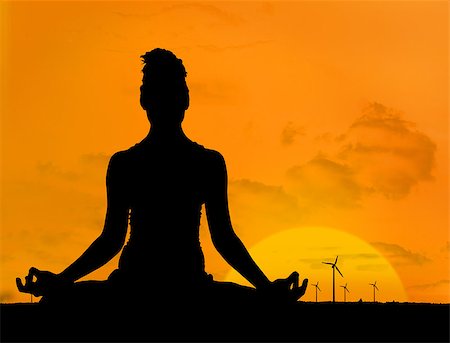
[34, 272]
[298, 292]
[293, 280]
[20, 285]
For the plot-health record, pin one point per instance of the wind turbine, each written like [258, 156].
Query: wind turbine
[317, 288]
[345, 291]
[374, 285]
[334, 266]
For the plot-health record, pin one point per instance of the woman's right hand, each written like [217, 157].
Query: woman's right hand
[40, 283]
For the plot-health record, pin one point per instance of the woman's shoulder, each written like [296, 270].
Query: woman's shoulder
[210, 156]
[123, 158]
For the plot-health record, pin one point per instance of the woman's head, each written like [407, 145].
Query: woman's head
[164, 92]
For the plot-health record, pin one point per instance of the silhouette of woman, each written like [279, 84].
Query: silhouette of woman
[160, 185]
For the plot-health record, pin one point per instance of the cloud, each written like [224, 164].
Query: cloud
[6, 296]
[205, 8]
[87, 173]
[213, 11]
[342, 257]
[365, 261]
[324, 182]
[267, 208]
[372, 267]
[50, 169]
[215, 91]
[387, 153]
[53, 205]
[290, 132]
[216, 48]
[433, 285]
[400, 256]
[88, 165]
[361, 256]
[257, 210]
[380, 153]
[446, 248]
[95, 159]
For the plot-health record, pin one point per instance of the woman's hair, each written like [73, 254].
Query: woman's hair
[164, 81]
[161, 63]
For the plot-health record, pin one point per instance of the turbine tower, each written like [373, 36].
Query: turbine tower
[334, 266]
[317, 288]
[345, 291]
[374, 285]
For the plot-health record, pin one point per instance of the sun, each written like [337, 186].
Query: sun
[304, 250]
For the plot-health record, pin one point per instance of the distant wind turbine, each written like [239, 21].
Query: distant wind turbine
[334, 266]
[317, 288]
[374, 285]
[345, 291]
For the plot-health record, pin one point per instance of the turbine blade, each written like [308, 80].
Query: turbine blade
[336, 259]
[339, 271]
[376, 287]
[319, 289]
[327, 263]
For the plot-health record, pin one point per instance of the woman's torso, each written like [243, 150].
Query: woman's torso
[166, 188]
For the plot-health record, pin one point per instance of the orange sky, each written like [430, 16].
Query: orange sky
[327, 113]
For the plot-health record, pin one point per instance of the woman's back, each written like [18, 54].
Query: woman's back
[166, 187]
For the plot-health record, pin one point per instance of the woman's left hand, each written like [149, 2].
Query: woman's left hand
[285, 290]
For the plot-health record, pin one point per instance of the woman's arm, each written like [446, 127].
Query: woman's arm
[223, 236]
[231, 247]
[102, 250]
[112, 238]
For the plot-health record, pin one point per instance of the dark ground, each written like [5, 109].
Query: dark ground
[304, 322]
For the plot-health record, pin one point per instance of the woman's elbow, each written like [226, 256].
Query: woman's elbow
[224, 242]
[112, 243]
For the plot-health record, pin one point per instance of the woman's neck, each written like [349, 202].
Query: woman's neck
[166, 135]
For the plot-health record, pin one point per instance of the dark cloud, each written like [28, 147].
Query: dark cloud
[50, 169]
[378, 116]
[429, 286]
[95, 159]
[326, 137]
[400, 256]
[81, 172]
[257, 210]
[216, 48]
[215, 91]
[361, 256]
[42, 201]
[388, 153]
[256, 205]
[87, 173]
[209, 9]
[380, 153]
[290, 132]
[364, 258]
[371, 267]
[324, 182]
[446, 248]
[6, 296]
